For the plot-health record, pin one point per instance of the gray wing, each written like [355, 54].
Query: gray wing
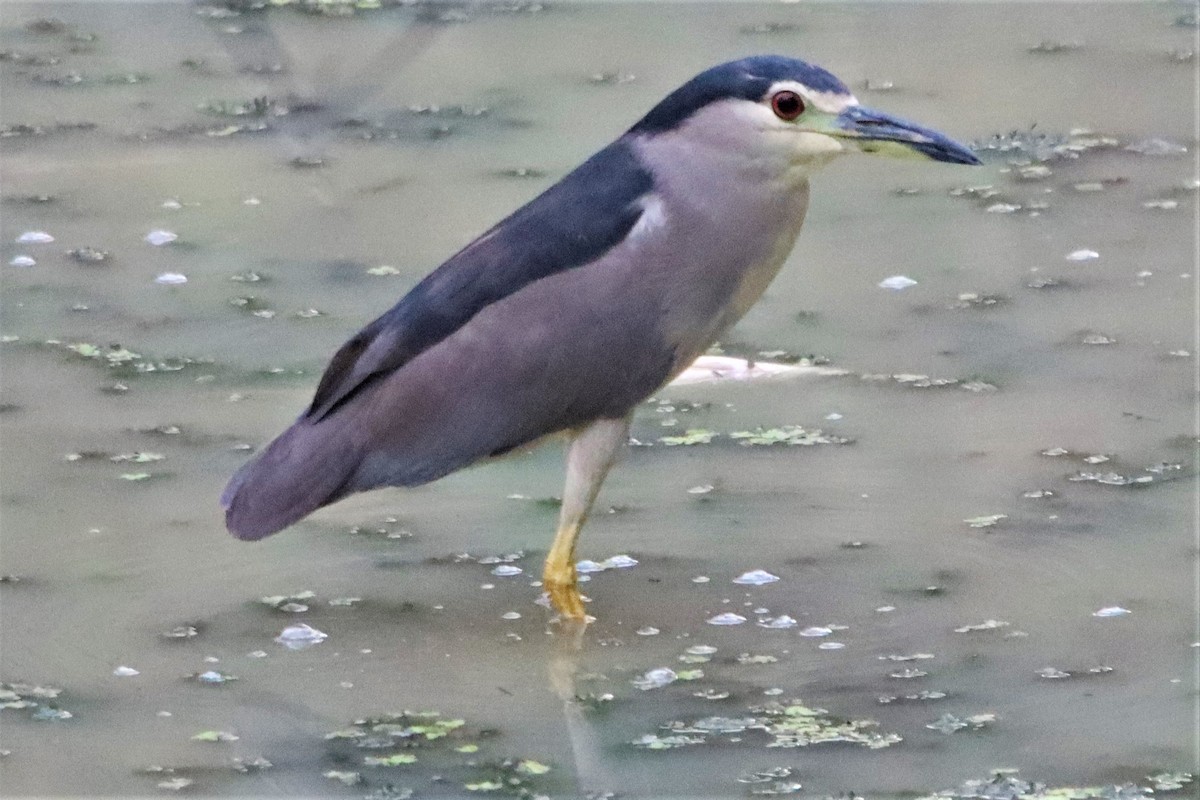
[571, 348]
[533, 328]
[572, 223]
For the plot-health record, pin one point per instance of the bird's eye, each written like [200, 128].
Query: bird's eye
[787, 105]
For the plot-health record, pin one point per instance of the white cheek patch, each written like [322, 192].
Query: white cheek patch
[829, 102]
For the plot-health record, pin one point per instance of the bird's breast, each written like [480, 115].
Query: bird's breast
[712, 261]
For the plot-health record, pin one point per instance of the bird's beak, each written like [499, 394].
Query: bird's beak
[876, 132]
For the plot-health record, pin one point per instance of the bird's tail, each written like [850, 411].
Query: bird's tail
[304, 469]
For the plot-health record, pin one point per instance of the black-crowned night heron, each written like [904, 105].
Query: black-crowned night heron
[572, 311]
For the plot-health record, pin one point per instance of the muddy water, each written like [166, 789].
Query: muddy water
[427, 132]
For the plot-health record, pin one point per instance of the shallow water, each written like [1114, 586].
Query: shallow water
[106, 564]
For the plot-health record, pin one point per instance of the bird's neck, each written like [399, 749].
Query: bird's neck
[729, 224]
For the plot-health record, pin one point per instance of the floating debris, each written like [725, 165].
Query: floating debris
[587, 566]
[1004, 785]
[394, 760]
[757, 577]
[1111, 611]
[982, 192]
[655, 679]
[1052, 673]
[1082, 255]
[986, 625]
[908, 674]
[648, 630]
[290, 603]
[247, 766]
[782, 622]
[35, 237]
[651, 741]
[831, 646]
[50, 714]
[979, 300]
[136, 458]
[690, 437]
[1157, 147]
[711, 368]
[33, 697]
[161, 237]
[728, 618]
[756, 658]
[507, 571]
[175, 784]
[789, 435]
[897, 283]
[301, 636]
[1169, 781]
[1111, 478]
[948, 723]
[985, 521]
[611, 78]
[254, 107]
[521, 172]
[215, 736]
[1097, 339]
[344, 776]
[922, 696]
[1034, 172]
[816, 632]
[89, 255]
[1053, 46]
[125, 672]
[383, 270]
[213, 677]
[1043, 147]
[792, 725]
[171, 279]
[22, 261]
[771, 782]
[914, 380]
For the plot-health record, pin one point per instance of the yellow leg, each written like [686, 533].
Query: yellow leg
[591, 454]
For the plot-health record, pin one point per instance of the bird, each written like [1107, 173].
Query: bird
[570, 312]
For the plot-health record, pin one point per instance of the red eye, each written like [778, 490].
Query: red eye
[787, 105]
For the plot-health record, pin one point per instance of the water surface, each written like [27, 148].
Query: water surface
[427, 132]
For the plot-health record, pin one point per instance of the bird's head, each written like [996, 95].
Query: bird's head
[782, 110]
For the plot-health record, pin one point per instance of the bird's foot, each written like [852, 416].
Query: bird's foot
[563, 590]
